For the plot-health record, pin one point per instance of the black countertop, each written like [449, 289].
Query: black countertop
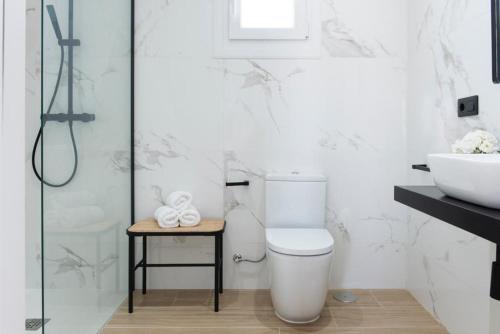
[481, 221]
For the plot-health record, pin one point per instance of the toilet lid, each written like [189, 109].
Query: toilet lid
[299, 241]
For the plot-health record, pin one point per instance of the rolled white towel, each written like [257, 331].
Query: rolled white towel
[189, 217]
[167, 217]
[179, 200]
[161, 209]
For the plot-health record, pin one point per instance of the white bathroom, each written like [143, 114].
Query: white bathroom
[250, 166]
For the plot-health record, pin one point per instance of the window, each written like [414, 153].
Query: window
[268, 19]
[267, 29]
[262, 14]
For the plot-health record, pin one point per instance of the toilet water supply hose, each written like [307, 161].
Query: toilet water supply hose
[237, 258]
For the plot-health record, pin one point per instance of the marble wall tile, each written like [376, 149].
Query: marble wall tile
[346, 35]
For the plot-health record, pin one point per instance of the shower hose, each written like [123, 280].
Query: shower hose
[40, 130]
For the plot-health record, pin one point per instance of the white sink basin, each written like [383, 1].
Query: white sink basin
[472, 178]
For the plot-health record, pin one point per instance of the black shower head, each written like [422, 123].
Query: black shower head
[55, 23]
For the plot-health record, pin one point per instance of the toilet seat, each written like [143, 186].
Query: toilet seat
[299, 241]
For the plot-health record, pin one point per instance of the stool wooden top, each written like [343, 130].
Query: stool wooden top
[151, 227]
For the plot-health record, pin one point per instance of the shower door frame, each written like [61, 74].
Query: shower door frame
[132, 111]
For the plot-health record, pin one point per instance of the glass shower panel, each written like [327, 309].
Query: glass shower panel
[86, 154]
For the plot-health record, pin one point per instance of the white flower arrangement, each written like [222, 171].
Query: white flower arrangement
[476, 142]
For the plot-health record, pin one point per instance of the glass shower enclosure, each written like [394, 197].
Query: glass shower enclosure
[83, 160]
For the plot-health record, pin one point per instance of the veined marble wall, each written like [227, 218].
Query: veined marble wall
[202, 120]
[449, 58]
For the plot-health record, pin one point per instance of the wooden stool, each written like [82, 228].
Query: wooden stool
[150, 228]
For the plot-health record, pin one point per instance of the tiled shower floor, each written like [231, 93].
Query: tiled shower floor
[251, 312]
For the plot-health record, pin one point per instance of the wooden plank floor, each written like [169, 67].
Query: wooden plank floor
[251, 312]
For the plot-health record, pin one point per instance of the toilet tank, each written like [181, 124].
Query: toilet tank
[295, 201]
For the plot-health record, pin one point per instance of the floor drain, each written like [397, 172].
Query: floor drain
[345, 297]
[35, 324]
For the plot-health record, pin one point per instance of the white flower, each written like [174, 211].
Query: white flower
[487, 147]
[478, 141]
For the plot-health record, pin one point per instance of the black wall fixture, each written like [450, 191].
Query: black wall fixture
[468, 106]
[422, 167]
[238, 184]
[495, 37]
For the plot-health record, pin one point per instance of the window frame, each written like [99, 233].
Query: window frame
[299, 32]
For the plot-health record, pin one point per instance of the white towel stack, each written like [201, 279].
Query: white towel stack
[178, 211]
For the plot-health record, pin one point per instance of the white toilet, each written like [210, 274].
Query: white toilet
[299, 248]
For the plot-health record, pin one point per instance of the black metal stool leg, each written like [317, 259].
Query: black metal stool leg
[216, 273]
[144, 262]
[131, 273]
[221, 263]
